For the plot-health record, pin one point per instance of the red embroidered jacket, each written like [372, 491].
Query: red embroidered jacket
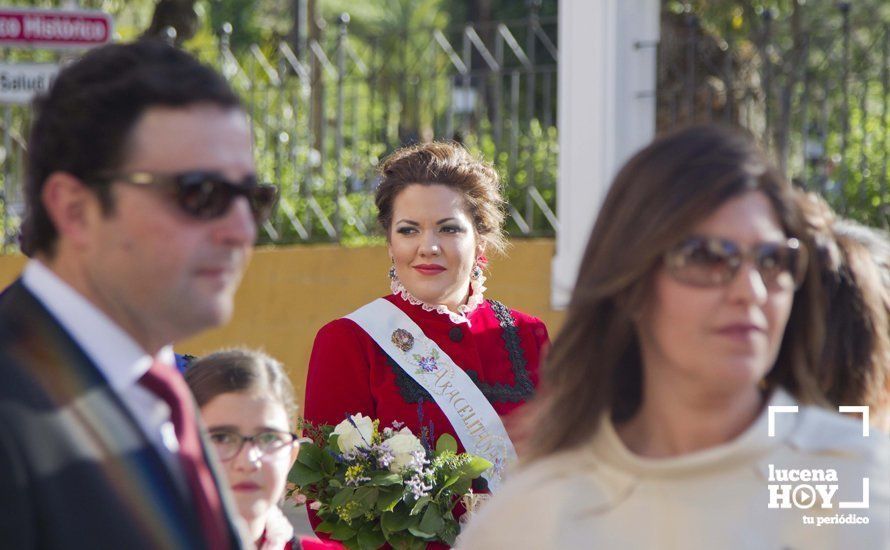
[348, 372]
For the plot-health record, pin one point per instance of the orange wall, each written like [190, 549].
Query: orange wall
[289, 292]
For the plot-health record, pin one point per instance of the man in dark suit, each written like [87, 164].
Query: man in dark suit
[142, 209]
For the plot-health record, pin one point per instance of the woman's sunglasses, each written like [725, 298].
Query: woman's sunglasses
[710, 261]
[207, 195]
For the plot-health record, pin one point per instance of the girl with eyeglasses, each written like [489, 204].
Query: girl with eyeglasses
[681, 405]
[247, 403]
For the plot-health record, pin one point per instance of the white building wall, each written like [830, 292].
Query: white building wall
[606, 112]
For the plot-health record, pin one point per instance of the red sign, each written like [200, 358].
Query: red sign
[54, 28]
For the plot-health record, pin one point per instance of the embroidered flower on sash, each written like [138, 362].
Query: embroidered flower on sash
[427, 363]
[402, 339]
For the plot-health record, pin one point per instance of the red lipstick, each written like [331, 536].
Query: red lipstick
[429, 269]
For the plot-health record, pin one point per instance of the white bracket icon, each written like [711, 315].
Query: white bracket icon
[771, 416]
[776, 409]
[861, 409]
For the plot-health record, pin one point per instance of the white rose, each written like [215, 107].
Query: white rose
[402, 444]
[357, 435]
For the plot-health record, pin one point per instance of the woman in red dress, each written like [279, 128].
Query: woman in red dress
[441, 210]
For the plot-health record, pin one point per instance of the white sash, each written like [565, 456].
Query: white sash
[477, 424]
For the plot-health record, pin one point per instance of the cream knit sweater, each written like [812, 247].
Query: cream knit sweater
[603, 496]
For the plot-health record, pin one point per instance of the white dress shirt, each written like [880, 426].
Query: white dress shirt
[119, 358]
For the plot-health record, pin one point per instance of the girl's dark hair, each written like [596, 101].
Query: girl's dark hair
[240, 371]
[595, 366]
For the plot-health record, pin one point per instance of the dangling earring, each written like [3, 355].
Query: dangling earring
[392, 271]
[481, 262]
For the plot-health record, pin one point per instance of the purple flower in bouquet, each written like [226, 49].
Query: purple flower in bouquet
[384, 455]
[418, 461]
[418, 486]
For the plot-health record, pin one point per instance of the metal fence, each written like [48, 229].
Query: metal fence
[324, 114]
[815, 93]
[323, 119]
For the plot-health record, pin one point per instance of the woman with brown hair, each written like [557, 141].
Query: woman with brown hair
[854, 263]
[435, 355]
[690, 322]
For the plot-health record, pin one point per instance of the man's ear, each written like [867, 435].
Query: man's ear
[70, 205]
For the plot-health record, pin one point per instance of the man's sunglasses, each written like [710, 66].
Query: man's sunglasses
[710, 261]
[207, 195]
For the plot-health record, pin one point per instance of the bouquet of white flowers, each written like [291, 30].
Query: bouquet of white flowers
[372, 486]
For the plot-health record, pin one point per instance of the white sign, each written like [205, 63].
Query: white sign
[20, 82]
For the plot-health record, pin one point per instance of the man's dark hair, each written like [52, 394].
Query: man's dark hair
[83, 124]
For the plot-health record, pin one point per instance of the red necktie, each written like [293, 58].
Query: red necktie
[167, 384]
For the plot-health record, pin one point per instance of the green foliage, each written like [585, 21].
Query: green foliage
[821, 97]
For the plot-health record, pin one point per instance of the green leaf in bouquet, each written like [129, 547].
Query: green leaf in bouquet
[303, 475]
[450, 480]
[342, 497]
[311, 456]
[446, 442]
[342, 531]
[475, 466]
[397, 520]
[418, 506]
[385, 478]
[432, 521]
[404, 541]
[371, 538]
[365, 498]
[332, 443]
[388, 498]
[325, 527]
[327, 463]
[449, 533]
[418, 532]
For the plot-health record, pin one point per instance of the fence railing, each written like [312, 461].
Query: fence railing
[324, 118]
[326, 112]
[323, 115]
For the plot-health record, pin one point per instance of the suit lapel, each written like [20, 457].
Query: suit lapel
[92, 421]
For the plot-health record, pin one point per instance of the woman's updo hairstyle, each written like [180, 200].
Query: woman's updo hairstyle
[448, 164]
